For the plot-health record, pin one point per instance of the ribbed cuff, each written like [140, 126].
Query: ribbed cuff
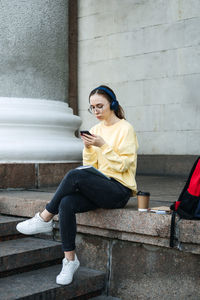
[88, 150]
[104, 147]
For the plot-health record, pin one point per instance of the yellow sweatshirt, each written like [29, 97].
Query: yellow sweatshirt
[117, 158]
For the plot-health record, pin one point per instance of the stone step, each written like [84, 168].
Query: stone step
[41, 285]
[23, 203]
[104, 297]
[164, 190]
[8, 226]
[24, 252]
[29, 266]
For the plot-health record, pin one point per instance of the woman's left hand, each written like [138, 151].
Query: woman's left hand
[93, 140]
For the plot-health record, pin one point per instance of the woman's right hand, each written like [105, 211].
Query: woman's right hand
[86, 141]
[92, 140]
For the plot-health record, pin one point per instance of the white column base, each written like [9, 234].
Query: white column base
[34, 130]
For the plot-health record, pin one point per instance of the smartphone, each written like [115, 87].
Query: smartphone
[85, 132]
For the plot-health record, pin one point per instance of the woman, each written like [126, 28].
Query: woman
[112, 149]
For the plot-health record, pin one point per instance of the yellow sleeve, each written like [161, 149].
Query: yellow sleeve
[125, 156]
[90, 157]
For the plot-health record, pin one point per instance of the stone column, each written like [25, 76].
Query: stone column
[38, 132]
[37, 126]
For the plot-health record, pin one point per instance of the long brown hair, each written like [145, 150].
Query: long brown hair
[119, 112]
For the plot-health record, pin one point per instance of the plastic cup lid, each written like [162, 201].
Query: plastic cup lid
[143, 193]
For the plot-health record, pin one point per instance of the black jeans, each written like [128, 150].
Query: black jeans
[81, 191]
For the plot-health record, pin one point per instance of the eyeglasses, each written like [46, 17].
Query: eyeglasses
[97, 108]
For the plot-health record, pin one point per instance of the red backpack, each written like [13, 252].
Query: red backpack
[188, 204]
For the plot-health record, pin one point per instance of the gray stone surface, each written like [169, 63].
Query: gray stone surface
[132, 248]
[8, 225]
[93, 247]
[40, 284]
[29, 266]
[176, 165]
[23, 203]
[103, 297]
[127, 220]
[149, 51]
[132, 237]
[34, 49]
[149, 272]
[92, 250]
[28, 251]
[33, 176]
[163, 189]
[124, 224]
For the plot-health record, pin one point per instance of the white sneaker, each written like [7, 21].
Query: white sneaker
[69, 267]
[35, 225]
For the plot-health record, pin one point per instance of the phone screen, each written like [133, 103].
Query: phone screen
[85, 132]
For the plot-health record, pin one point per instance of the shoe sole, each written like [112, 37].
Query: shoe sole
[35, 232]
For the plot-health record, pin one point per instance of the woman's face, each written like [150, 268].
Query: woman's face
[100, 107]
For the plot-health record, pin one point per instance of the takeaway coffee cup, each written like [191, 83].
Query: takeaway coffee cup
[143, 200]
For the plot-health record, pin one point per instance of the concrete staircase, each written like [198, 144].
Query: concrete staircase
[105, 239]
[29, 265]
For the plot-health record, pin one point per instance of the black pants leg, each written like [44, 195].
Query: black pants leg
[81, 191]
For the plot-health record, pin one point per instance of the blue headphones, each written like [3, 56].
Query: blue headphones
[114, 104]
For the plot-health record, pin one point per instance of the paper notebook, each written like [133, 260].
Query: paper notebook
[160, 209]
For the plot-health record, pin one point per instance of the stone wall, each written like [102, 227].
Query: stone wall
[133, 249]
[34, 49]
[148, 52]
[140, 271]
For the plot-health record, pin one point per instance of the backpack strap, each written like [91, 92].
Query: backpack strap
[176, 204]
[172, 229]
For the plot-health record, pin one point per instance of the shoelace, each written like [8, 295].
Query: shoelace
[65, 263]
